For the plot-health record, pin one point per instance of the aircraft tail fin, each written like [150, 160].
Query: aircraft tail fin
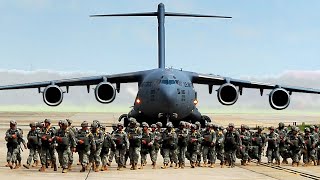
[160, 14]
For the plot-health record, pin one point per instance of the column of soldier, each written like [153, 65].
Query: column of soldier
[97, 148]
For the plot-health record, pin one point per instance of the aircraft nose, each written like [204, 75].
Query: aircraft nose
[168, 95]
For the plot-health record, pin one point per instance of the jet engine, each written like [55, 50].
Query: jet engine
[105, 92]
[279, 99]
[227, 94]
[52, 95]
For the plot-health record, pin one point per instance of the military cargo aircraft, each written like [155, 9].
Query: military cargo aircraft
[164, 94]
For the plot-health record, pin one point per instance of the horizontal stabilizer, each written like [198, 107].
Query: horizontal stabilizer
[156, 14]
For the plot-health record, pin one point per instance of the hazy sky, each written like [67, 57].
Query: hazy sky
[263, 38]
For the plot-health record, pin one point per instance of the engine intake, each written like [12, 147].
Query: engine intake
[227, 94]
[279, 99]
[52, 95]
[105, 92]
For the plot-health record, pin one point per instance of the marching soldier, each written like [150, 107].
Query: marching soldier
[182, 144]
[74, 130]
[134, 136]
[273, 146]
[156, 145]
[111, 154]
[245, 137]
[147, 141]
[193, 145]
[220, 145]
[47, 157]
[199, 130]
[309, 148]
[66, 143]
[106, 146]
[283, 149]
[14, 137]
[98, 137]
[295, 143]
[122, 145]
[85, 141]
[257, 144]
[208, 144]
[232, 141]
[170, 140]
[33, 145]
[316, 134]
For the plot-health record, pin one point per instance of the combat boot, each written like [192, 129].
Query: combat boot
[141, 166]
[193, 165]
[83, 169]
[43, 168]
[171, 164]
[205, 164]
[119, 167]
[131, 168]
[135, 166]
[176, 166]
[278, 162]
[97, 169]
[64, 170]
[164, 166]
[314, 162]
[182, 165]
[285, 161]
[35, 163]
[17, 166]
[26, 166]
[105, 167]
[294, 164]
[305, 164]
[93, 166]
[222, 164]
[212, 165]
[69, 167]
[153, 165]
[55, 168]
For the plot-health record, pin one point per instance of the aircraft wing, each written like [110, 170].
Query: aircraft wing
[219, 80]
[82, 81]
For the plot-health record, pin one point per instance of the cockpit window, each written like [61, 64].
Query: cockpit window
[168, 82]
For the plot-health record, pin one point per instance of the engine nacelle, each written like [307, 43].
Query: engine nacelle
[52, 95]
[228, 94]
[279, 99]
[105, 92]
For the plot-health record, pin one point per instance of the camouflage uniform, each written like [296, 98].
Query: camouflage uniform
[85, 141]
[47, 152]
[208, 144]
[273, 146]
[156, 145]
[98, 137]
[257, 144]
[243, 150]
[134, 136]
[147, 141]
[309, 148]
[14, 137]
[220, 146]
[122, 145]
[232, 141]
[169, 145]
[194, 138]
[74, 130]
[283, 148]
[107, 144]
[316, 134]
[111, 154]
[182, 134]
[200, 147]
[295, 143]
[33, 145]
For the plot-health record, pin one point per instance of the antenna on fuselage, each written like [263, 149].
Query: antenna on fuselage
[161, 31]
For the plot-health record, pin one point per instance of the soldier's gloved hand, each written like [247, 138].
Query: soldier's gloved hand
[144, 142]
[80, 141]
[150, 144]
[14, 136]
